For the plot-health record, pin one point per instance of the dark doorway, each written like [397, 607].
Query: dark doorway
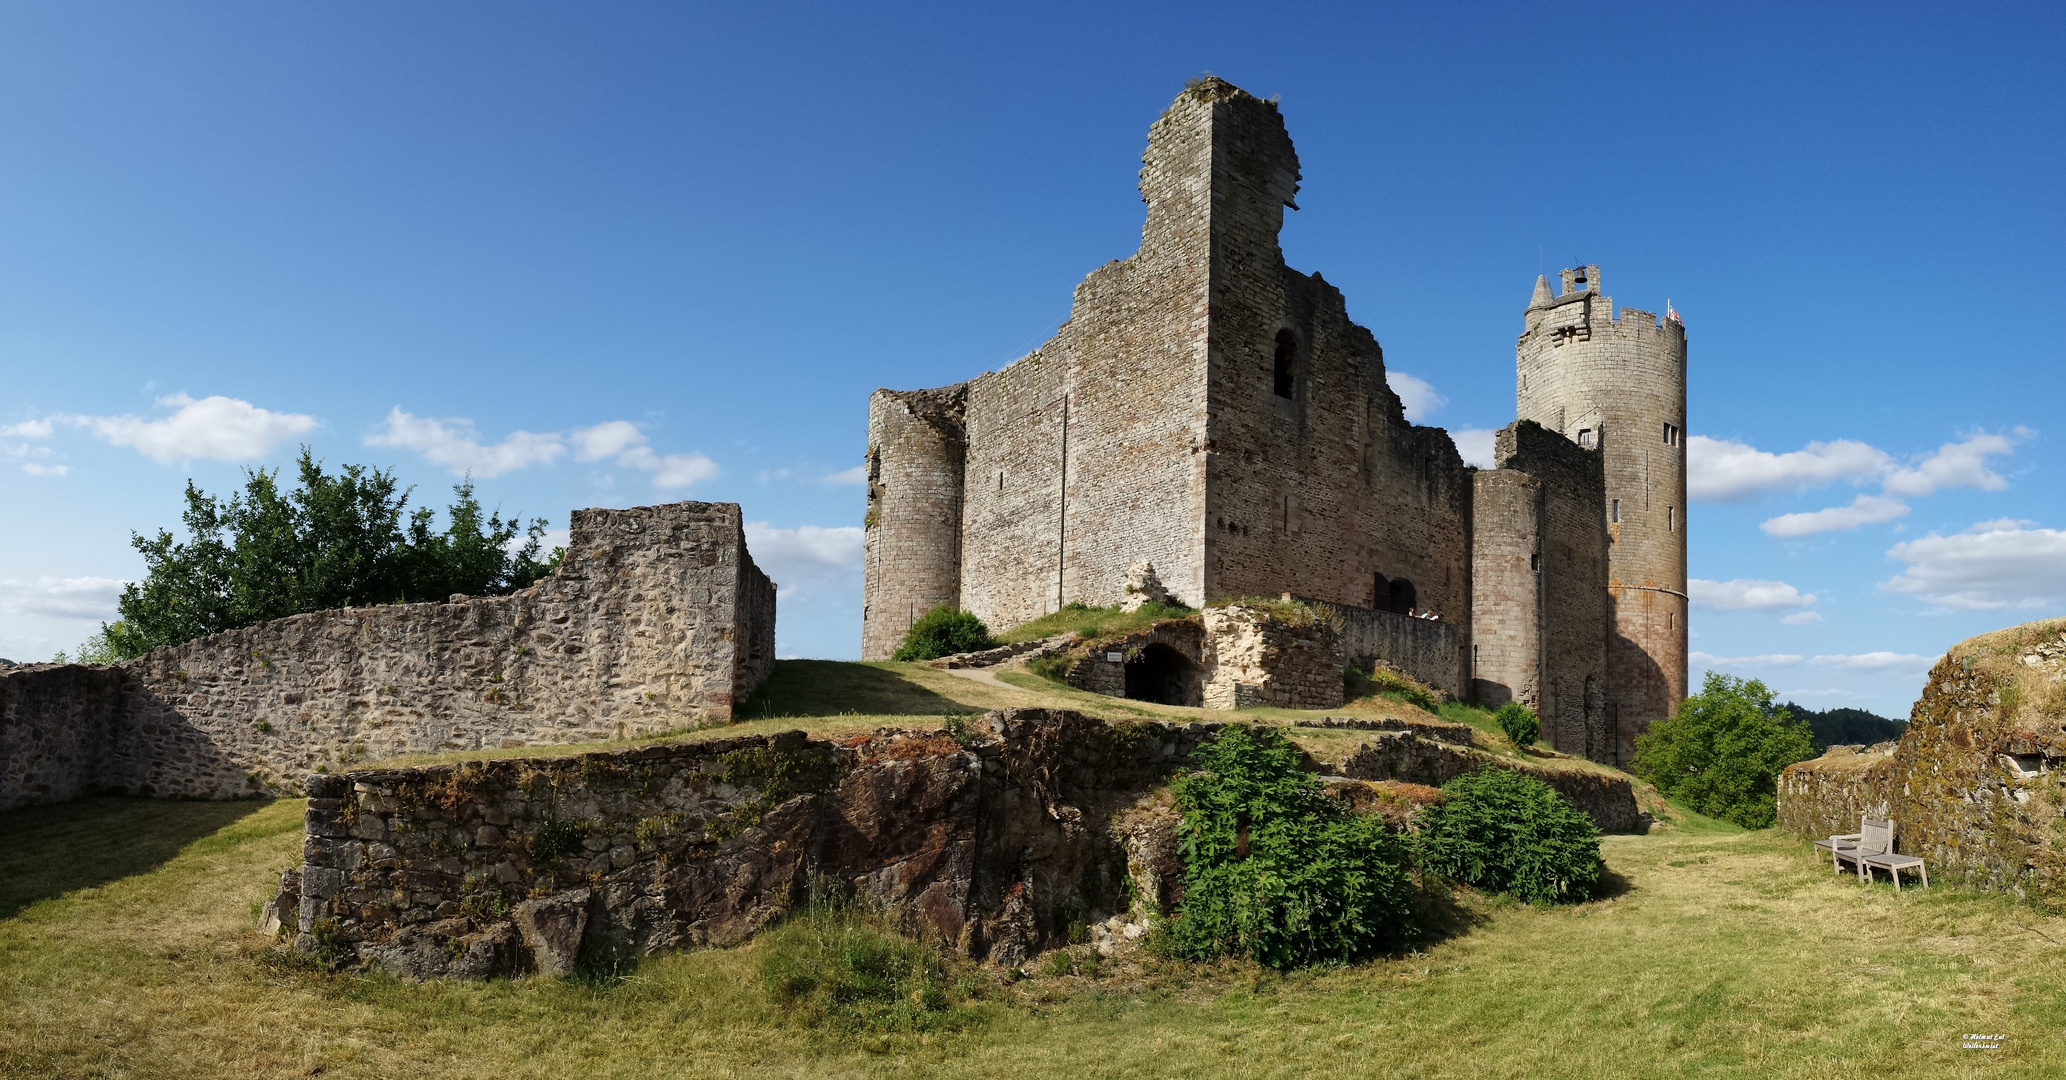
[1285, 374]
[1159, 674]
[1400, 596]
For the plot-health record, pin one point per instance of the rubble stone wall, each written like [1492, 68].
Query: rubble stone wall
[1430, 650]
[656, 620]
[1975, 785]
[1252, 658]
[1412, 758]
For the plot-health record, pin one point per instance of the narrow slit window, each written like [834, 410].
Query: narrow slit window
[1670, 518]
[1286, 368]
[1614, 513]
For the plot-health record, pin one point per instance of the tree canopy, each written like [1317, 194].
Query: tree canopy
[332, 540]
[1722, 752]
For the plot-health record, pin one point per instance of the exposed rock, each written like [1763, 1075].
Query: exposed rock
[551, 927]
[283, 912]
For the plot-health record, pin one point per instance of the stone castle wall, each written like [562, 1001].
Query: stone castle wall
[1617, 382]
[912, 547]
[657, 619]
[1572, 587]
[1430, 650]
[1254, 658]
[1974, 786]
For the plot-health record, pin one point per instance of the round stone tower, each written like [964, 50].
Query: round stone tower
[1618, 384]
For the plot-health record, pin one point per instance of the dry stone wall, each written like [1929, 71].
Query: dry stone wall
[1414, 758]
[657, 620]
[1974, 787]
[1255, 658]
[1430, 650]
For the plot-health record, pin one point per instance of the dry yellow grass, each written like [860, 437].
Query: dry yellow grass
[1732, 954]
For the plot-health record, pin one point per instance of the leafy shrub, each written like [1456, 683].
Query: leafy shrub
[1519, 722]
[835, 965]
[944, 631]
[1274, 868]
[556, 838]
[1722, 752]
[1502, 831]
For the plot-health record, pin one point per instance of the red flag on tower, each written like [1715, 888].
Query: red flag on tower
[1672, 315]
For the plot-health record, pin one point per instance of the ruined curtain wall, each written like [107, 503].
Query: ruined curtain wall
[1012, 513]
[1429, 650]
[1506, 587]
[912, 553]
[1573, 587]
[655, 621]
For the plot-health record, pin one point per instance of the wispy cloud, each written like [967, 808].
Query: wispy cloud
[1864, 510]
[808, 558]
[216, 428]
[1721, 470]
[1990, 566]
[61, 598]
[457, 445]
[1419, 396]
[1475, 445]
[856, 475]
[1747, 594]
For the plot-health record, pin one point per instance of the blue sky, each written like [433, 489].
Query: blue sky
[615, 255]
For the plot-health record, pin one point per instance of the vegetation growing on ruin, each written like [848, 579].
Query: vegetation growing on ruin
[1504, 832]
[1722, 752]
[1390, 683]
[1095, 622]
[1275, 870]
[1520, 724]
[268, 552]
[944, 631]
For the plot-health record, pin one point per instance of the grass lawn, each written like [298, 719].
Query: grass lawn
[128, 951]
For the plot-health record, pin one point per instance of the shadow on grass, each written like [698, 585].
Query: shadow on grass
[53, 850]
[838, 687]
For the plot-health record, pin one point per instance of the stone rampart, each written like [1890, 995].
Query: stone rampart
[1430, 650]
[1974, 786]
[1253, 657]
[656, 620]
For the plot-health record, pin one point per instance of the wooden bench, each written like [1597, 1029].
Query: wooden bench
[1840, 847]
[1875, 851]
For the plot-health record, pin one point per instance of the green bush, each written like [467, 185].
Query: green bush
[1519, 722]
[1722, 752]
[944, 631]
[1274, 868]
[1502, 831]
[834, 965]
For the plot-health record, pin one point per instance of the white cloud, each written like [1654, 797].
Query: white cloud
[34, 469]
[61, 598]
[606, 440]
[1746, 594]
[218, 428]
[1959, 464]
[35, 459]
[1993, 565]
[455, 445]
[1721, 470]
[1475, 446]
[1802, 618]
[1874, 661]
[27, 429]
[1864, 510]
[1702, 659]
[1416, 394]
[856, 475]
[623, 440]
[813, 557]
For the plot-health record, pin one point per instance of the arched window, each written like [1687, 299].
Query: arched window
[1401, 595]
[1287, 364]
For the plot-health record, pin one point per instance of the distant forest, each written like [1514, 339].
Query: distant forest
[1839, 727]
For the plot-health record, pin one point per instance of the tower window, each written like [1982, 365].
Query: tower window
[1614, 511]
[1670, 516]
[1287, 364]
[1671, 435]
[1585, 438]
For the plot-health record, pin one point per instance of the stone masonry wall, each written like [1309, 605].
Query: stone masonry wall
[1572, 586]
[1975, 785]
[1430, 650]
[1617, 382]
[1412, 758]
[656, 620]
[1254, 658]
[912, 547]
[1506, 589]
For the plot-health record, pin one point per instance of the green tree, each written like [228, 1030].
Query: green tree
[1520, 724]
[1722, 752]
[1274, 867]
[334, 539]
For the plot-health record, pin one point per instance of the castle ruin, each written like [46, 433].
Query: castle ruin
[1215, 413]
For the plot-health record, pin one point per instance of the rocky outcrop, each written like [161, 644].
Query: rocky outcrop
[1974, 787]
[1028, 650]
